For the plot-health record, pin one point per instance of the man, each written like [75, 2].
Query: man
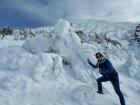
[108, 73]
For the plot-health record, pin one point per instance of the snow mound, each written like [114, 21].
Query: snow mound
[65, 43]
[36, 67]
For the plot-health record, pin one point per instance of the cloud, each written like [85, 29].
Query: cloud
[119, 10]
[49, 11]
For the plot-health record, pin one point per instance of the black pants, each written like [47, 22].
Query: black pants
[113, 78]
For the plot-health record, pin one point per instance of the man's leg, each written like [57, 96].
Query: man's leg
[116, 86]
[99, 82]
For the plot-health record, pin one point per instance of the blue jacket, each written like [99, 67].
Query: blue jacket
[104, 68]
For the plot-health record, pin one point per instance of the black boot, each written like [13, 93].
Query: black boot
[100, 92]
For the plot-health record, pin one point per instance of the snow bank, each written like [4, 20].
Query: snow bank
[36, 67]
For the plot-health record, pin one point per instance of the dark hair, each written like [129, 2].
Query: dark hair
[98, 53]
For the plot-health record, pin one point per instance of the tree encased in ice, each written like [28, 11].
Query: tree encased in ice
[6, 31]
[136, 35]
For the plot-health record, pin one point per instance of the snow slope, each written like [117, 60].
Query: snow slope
[51, 69]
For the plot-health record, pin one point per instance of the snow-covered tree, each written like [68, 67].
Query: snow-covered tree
[136, 35]
[5, 31]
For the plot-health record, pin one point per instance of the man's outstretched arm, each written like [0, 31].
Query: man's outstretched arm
[92, 65]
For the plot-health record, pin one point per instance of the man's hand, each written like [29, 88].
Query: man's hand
[88, 60]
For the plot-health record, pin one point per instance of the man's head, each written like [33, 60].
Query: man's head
[99, 56]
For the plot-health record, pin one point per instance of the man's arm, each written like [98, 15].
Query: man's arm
[92, 65]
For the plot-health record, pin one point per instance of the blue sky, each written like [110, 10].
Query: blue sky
[37, 13]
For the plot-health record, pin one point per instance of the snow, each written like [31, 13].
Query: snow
[32, 70]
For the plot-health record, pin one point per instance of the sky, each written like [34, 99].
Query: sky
[38, 13]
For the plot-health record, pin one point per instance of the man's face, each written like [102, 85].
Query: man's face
[99, 57]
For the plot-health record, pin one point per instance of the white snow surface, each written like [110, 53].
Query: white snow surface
[32, 71]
